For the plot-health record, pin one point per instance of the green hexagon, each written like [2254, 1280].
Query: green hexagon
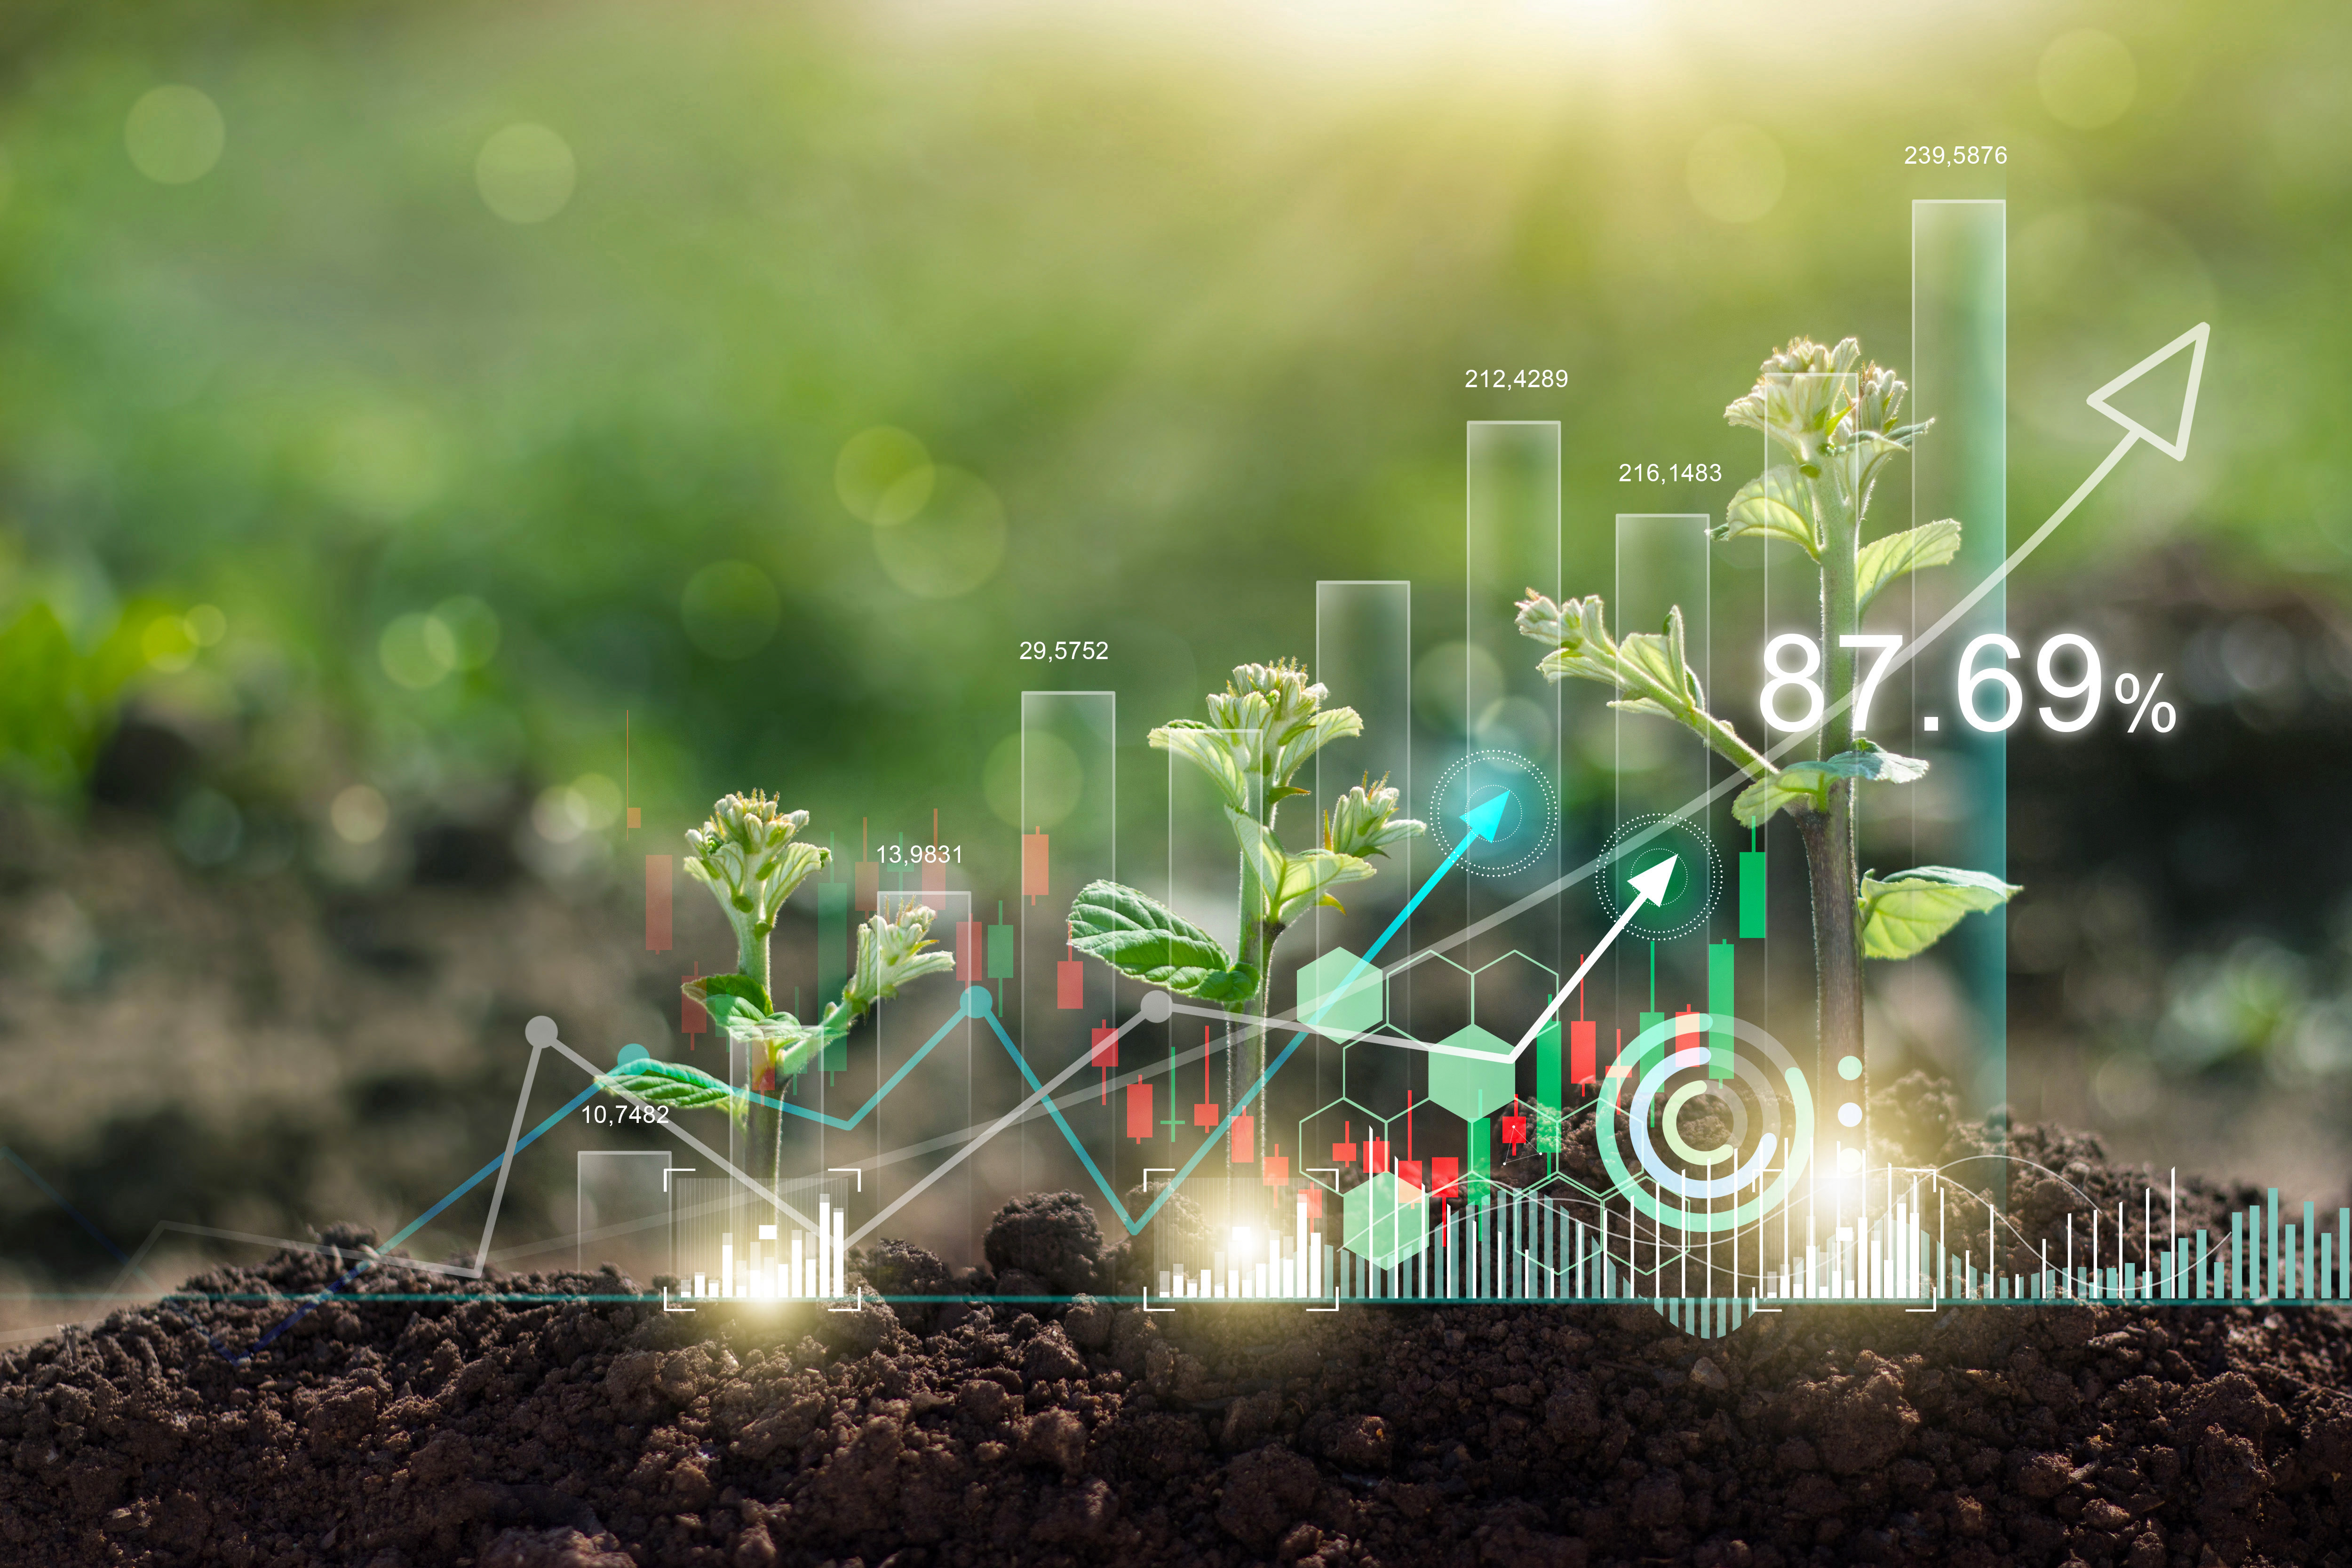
[1356, 1008]
[1472, 1087]
[1388, 1222]
[1409, 973]
[1507, 992]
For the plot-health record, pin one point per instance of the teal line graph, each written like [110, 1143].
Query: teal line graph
[966, 1008]
[1483, 822]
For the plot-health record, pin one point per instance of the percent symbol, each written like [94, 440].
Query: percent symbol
[2160, 716]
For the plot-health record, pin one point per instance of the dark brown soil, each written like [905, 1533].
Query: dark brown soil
[512, 1434]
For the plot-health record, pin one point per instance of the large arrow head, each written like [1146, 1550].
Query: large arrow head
[1485, 821]
[1652, 884]
[2177, 448]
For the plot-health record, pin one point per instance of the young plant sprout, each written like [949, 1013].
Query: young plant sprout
[1261, 729]
[1835, 420]
[747, 854]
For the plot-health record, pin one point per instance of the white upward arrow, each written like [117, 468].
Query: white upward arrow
[1649, 887]
[2134, 433]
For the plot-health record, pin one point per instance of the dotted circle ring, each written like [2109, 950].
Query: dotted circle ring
[1687, 839]
[1442, 821]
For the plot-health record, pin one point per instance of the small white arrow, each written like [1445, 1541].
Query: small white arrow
[2194, 339]
[1649, 887]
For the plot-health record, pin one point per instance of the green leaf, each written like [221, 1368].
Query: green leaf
[796, 1053]
[1906, 913]
[1301, 741]
[1784, 791]
[1884, 559]
[1292, 884]
[778, 1034]
[1777, 504]
[58, 702]
[1808, 784]
[1363, 823]
[1145, 939]
[1264, 854]
[1855, 465]
[1651, 669]
[1305, 878]
[674, 1084]
[1222, 755]
[730, 998]
[892, 953]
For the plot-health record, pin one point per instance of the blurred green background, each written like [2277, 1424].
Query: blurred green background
[394, 396]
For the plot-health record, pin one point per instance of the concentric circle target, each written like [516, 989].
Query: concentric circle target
[1691, 893]
[1530, 811]
[1766, 1101]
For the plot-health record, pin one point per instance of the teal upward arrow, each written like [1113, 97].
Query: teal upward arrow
[1483, 822]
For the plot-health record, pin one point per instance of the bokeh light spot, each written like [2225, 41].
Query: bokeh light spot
[1054, 784]
[525, 173]
[411, 654]
[174, 135]
[2087, 79]
[560, 813]
[600, 801]
[359, 815]
[953, 546]
[384, 463]
[168, 644]
[463, 632]
[883, 476]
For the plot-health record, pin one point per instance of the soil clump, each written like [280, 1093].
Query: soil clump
[314, 1410]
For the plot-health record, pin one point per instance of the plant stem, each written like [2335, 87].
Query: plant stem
[1246, 952]
[751, 949]
[1256, 935]
[1839, 567]
[1837, 927]
[1257, 948]
[1829, 837]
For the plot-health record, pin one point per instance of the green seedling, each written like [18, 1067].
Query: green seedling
[748, 854]
[1261, 729]
[1834, 422]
